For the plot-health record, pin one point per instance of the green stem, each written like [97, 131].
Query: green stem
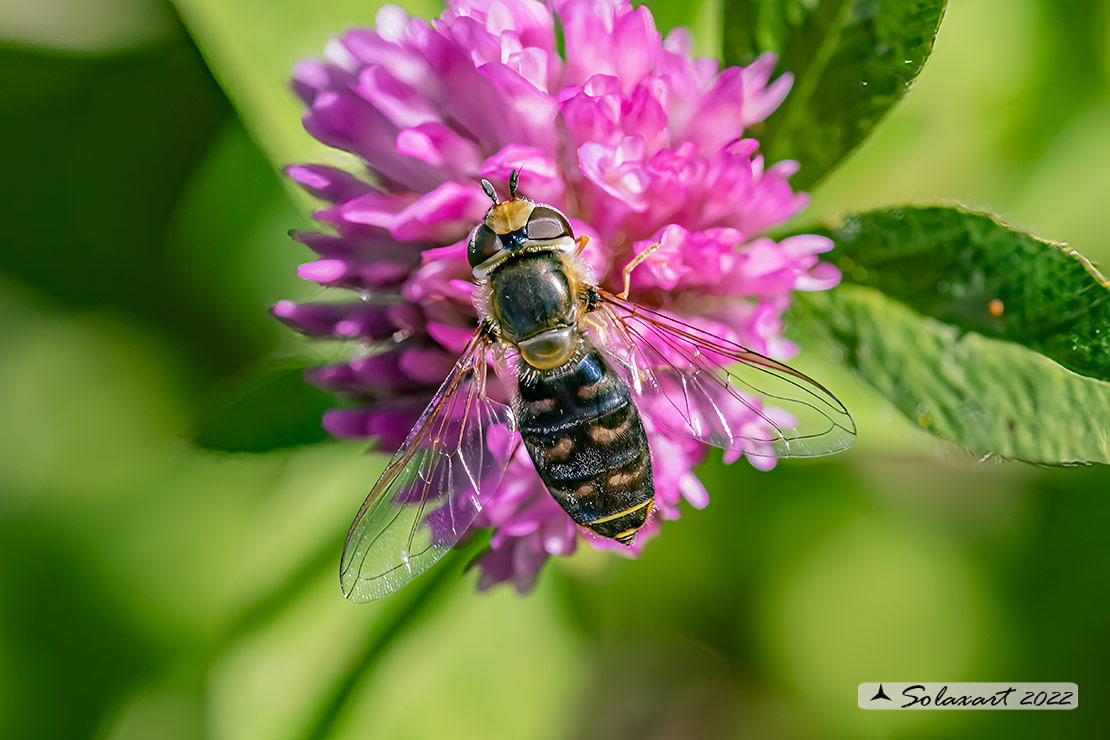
[256, 615]
[425, 591]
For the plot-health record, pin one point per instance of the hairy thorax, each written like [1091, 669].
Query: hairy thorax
[534, 301]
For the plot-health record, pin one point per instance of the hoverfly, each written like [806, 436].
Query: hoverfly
[580, 365]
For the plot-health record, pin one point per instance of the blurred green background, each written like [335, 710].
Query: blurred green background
[151, 588]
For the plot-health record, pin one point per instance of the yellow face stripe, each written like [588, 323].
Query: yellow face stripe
[509, 216]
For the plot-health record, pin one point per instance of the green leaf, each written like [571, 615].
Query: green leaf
[229, 246]
[852, 60]
[968, 270]
[251, 47]
[989, 396]
[964, 323]
[702, 17]
[272, 408]
[97, 243]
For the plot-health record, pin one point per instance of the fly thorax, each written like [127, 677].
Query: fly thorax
[535, 308]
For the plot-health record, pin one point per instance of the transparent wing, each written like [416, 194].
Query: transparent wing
[434, 487]
[703, 386]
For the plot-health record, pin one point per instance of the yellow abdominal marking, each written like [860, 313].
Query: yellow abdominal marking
[587, 392]
[509, 216]
[561, 449]
[619, 514]
[625, 537]
[544, 404]
[586, 489]
[619, 479]
[602, 435]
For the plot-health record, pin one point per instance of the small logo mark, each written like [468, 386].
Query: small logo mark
[880, 694]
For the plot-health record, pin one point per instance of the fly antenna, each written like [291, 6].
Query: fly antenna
[488, 188]
[514, 178]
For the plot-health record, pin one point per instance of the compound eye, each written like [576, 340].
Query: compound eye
[483, 245]
[546, 223]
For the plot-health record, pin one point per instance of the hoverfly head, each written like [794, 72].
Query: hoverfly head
[513, 224]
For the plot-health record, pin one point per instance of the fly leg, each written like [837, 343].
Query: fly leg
[623, 295]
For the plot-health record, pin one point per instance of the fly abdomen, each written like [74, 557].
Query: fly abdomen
[586, 439]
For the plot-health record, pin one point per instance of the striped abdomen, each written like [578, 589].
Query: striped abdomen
[585, 437]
